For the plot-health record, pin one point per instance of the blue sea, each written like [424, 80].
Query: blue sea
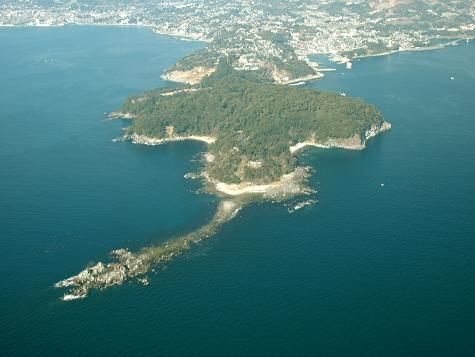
[382, 265]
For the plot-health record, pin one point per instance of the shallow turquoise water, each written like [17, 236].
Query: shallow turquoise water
[370, 270]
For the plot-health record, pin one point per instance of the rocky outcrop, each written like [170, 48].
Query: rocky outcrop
[147, 140]
[377, 129]
[192, 76]
[119, 115]
[101, 275]
[128, 265]
[292, 184]
[355, 142]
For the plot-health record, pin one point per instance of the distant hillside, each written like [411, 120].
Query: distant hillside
[387, 4]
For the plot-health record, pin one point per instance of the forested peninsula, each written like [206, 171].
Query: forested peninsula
[254, 128]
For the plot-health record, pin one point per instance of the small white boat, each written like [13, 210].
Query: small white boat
[343, 94]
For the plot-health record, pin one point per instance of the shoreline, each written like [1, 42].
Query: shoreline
[290, 184]
[152, 28]
[186, 37]
[352, 143]
[183, 37]
[455, 42]
[147, 140]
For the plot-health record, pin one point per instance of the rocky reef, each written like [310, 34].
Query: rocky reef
[127, 265]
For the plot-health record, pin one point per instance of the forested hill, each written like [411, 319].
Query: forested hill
[254, 123]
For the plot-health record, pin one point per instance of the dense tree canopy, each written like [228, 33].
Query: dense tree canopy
[252, 121]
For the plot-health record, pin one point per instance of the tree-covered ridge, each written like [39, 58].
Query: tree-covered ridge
[254, 123]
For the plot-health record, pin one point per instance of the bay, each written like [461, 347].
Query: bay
[383, 264]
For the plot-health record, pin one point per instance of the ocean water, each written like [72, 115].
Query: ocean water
[382, 265]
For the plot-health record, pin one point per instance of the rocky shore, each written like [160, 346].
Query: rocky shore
[355, 142]
[147, 140]
[288, 185]
[102, 275]
[291, 184]
[119, 115]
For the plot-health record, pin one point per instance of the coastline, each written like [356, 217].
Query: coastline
[181, 36]
[152, 28]
[186, 37]
[147, 140]
[290, 184]
[355, 142]
[455, 42]
[127, 265]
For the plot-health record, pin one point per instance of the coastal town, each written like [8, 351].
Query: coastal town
[266, 35]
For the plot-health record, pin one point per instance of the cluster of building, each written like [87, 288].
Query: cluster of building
[262, 32]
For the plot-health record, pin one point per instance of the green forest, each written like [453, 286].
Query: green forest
[252, 121]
